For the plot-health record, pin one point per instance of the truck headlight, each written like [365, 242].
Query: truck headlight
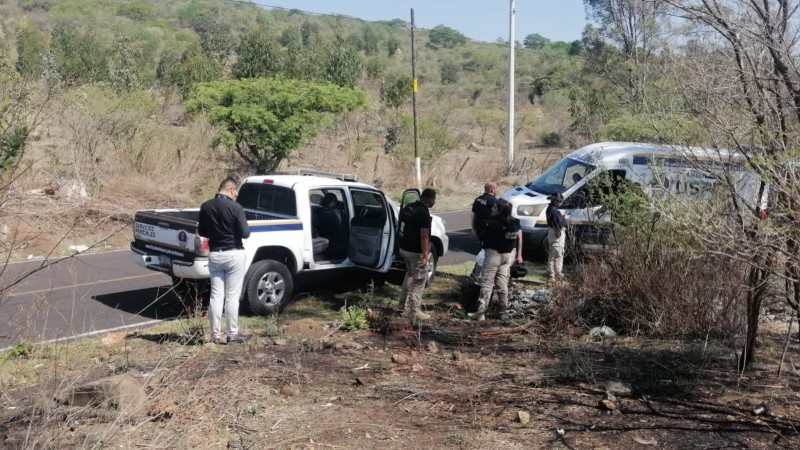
[530, 210]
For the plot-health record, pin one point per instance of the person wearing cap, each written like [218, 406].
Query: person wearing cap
[556, 238]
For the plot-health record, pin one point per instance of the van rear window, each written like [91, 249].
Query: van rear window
[268, 198]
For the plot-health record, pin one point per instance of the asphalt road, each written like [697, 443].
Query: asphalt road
[93, 293]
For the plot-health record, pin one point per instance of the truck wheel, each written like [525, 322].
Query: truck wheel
[194, 295]
[268, 286]
[433, 260]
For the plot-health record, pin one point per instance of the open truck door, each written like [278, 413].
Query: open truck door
[372, 230]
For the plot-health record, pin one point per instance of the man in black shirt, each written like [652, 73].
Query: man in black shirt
[223, 222]
[414, 235]
[481, 214]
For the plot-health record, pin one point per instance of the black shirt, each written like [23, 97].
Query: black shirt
[500, 235]
[413, 218]
[554, 218]
[223, 222]
[482, 208]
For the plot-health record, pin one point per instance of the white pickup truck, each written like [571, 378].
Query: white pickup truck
[298, 223]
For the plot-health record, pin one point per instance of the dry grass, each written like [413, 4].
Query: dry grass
[348, 392]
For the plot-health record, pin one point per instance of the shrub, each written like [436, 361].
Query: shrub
[375, 68]
[551, 139]
[655, 279]
[449, 72]
[354, 318]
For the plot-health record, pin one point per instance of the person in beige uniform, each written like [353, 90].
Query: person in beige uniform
[556, 239]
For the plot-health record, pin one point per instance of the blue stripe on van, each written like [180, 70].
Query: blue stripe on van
[281, 227]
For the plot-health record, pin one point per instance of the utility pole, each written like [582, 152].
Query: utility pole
[511, 49]
[414, 87]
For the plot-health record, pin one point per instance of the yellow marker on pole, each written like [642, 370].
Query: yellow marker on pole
[415, 86]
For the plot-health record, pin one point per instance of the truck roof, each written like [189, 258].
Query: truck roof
[612, 151]
[289, 181]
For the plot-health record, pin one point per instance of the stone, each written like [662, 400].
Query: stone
[5, 378]
[602, 332]
[289, 390]
[610, 397]
[432, 347]
[121, 392]
[458, 356]
[114, 339]
[607, 405]
[347, 345]
[280, 341]
[417, 368]
[399, 359]
[523, 417]
[618, 387]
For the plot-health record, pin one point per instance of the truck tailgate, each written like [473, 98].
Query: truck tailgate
[170, 234]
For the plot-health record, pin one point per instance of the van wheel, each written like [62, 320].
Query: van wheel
[268, 287]
[433, 260]
[194, 295]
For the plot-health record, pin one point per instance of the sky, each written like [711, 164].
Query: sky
[483, 20]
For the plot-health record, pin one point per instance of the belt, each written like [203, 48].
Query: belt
[226, 249]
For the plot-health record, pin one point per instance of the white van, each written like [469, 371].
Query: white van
[659, 170]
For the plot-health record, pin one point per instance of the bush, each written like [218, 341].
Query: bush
[375, 68]
[551, 139]
[354, 318]
[655, 279]
[449, 72]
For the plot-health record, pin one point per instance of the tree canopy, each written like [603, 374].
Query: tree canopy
[265, 120]
[446, 37]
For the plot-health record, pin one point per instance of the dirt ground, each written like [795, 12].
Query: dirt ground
[303, 382]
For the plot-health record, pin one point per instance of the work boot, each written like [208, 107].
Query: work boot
[551, 281]
[477, 316]
[238, 339]
[215, 341]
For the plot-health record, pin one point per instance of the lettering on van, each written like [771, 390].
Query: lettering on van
[682, 183]
[144, 231]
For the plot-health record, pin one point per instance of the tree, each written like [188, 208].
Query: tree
[622, 49]
[265, 120]
[339, 63]
[32, 46]
[396, 92]
[442, 36]
[740, 78]
[122, 65]
[259, 55]
[80, 57]
[449, 72]
[186, 70]
[392, 45]
[535, 41]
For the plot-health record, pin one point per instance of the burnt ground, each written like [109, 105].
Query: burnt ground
[305, 383]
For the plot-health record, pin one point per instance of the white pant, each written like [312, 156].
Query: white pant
[555, 254]
[227, 274]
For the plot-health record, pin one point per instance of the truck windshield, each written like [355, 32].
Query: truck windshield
[560, 177]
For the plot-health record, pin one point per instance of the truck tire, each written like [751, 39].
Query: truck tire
[268, 287]
[194, 295]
